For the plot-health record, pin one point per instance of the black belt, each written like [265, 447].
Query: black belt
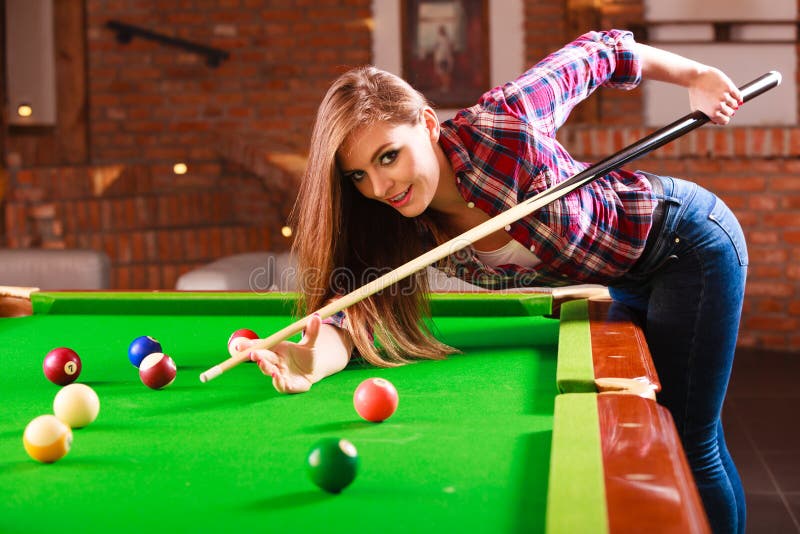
[658, 214]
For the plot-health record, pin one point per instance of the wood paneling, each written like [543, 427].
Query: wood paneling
[67, 142]
[3, 119]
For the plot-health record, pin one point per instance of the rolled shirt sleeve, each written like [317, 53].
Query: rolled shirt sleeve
[546, 93]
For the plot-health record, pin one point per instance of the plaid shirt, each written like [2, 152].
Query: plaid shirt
[504, 151]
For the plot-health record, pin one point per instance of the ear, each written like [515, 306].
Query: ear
[431, 122]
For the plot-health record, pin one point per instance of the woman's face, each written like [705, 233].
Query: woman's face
[394, 164]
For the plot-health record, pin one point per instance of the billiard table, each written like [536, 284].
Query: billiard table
[527, 428]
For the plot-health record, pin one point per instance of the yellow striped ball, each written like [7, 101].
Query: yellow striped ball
[47, 439]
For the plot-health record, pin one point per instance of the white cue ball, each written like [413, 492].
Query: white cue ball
[76, 405]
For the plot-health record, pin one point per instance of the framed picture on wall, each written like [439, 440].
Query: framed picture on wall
[446, 50]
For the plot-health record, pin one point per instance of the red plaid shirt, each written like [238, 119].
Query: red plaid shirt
[504, 151]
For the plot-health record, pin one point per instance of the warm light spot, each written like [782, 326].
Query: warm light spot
[286, 231]
[639, 477]
[105, 177]
[24, 110]
[180, 168]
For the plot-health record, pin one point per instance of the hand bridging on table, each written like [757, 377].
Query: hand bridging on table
[290, 365]
[713, 93]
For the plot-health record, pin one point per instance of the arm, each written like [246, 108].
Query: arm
[546, 94]
[294, 367]
[335, 346]
[710, 90]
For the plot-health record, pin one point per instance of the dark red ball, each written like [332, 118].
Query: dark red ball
[157, 370]
[62, 366]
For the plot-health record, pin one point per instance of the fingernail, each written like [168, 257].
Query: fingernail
[252, 356]
[316, 314]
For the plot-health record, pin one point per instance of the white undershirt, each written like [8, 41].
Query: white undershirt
[513, 253]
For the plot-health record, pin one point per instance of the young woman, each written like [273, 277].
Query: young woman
[386, 182]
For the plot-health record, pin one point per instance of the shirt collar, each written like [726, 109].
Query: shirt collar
[454, 148]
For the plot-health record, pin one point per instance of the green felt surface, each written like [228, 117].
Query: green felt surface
[238, 303]
[577, 457]
[467, 451]
[575, 373]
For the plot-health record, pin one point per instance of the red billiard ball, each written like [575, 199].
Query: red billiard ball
[242, 332]
[62, 366]
[375, 399]
[157, 370]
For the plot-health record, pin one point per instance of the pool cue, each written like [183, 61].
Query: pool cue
[639, 148]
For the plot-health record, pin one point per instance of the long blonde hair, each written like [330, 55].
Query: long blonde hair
[344, 240]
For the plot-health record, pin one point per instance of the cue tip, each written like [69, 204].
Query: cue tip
[211, 374]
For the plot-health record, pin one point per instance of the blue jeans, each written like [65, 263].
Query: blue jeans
[688, 290]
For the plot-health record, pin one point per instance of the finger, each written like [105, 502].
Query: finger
[268, 368]
[731, 89]
[731, 101]
[720, 118]
[266, 355]
[312, 331]
[727, 110]
[279, 383]
[239, 344]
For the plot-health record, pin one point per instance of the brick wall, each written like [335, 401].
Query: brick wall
[153, 225]
[545, 28]
[149, 102]
[240, 127]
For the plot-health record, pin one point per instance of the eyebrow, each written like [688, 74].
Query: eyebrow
[374, 156]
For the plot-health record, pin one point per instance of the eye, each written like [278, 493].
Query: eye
[355, 176]
[387, 158]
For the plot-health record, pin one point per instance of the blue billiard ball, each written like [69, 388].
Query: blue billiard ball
[141, 347]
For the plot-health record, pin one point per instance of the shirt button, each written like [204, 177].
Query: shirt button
[470, 204]
[677, 240]
[508, 228]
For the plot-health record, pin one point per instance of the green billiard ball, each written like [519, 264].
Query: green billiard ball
[332, 464]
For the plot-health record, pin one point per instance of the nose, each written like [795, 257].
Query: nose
[381, 184]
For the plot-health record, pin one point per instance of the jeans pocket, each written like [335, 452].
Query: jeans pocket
[726, 220]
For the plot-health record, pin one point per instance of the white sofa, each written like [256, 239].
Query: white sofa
[265, 271]
[55, 268]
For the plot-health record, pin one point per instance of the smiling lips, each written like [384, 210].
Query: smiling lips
[402, 199]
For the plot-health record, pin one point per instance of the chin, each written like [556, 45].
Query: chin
[411, 211]
[408, 214]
